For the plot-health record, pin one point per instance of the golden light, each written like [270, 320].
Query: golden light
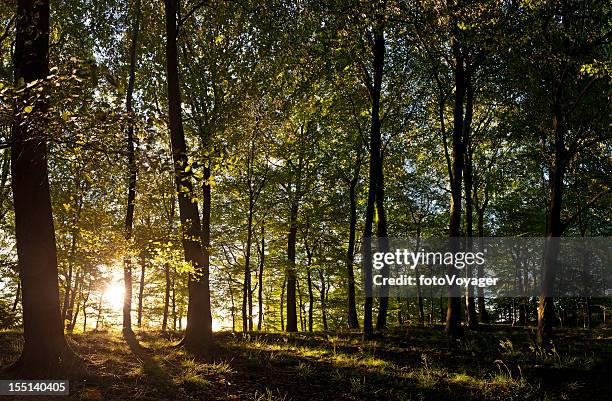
[113, 295]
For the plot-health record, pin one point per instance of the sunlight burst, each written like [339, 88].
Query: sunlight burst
[114, 295]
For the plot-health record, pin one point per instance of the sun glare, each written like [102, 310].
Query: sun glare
[114, 295]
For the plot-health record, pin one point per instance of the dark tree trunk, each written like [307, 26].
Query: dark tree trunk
[282, 304]
[472, 318]
[301, 310]
[291, 274]
[353, 321]
[173, 304]
[381, 232]
[247, 300]
[483, 316]
[198, 334]
[260, 278]
[546, 308]
[45, 351]
[17, 295]
[417, 274]
[453, 312]
[376, 190]
[129, 215]
[166, 297]
[323, 298]
[309, 278]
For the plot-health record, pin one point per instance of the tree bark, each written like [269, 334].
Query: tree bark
[45, 352]
[198, 334]
[291, 243]
[17, 295]
[166, 297]
[247, 300]
[353, 321]
[261, 270]
[483, 316]
[546, 308]
[323, 299]
[141, 288]
[309, 278]
[131, 198]
[472, 318]
[375, 190]
[381, 229]
[453, 312]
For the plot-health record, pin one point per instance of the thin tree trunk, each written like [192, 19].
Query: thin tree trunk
[198, 334]
[472, 318]
[483, 316]
[453, 313]
[282, 302]
[129, 215]
[290, 272]
[247, 300]
[353, 321]
[173, 304]
[141, 288]
[309, 278]
[166, 297]
[323, 297]
[261, 270]
[418, 285]
[17, 295]
[301, 310]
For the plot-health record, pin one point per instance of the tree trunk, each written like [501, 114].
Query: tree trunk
[141, 288]
[129, 215]
[381, 232]
[45, 352]
[309, 278]
[282, 303]
[17, 295]
[301, 310]
[261, 270]
[453, 312]
[374, 192]
[247, 300]
[166, 297]
[546, 308]
[483, 316]
[472, 318]
[353, 321]
[291, 275]
[323, 303]
[173, 304]
[417, 274]
[198, 334]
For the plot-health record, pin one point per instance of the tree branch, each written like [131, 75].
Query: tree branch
[588, 205]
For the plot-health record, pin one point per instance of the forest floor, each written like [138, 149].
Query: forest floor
[495, 363]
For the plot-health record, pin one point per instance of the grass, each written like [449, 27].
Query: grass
[495, 363]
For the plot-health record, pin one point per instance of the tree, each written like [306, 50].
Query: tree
[198, 334]
[45, 353]
[131, 198]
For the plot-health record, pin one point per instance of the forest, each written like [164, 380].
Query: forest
[199, 199]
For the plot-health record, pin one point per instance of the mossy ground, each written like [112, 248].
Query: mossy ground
[494, 363]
